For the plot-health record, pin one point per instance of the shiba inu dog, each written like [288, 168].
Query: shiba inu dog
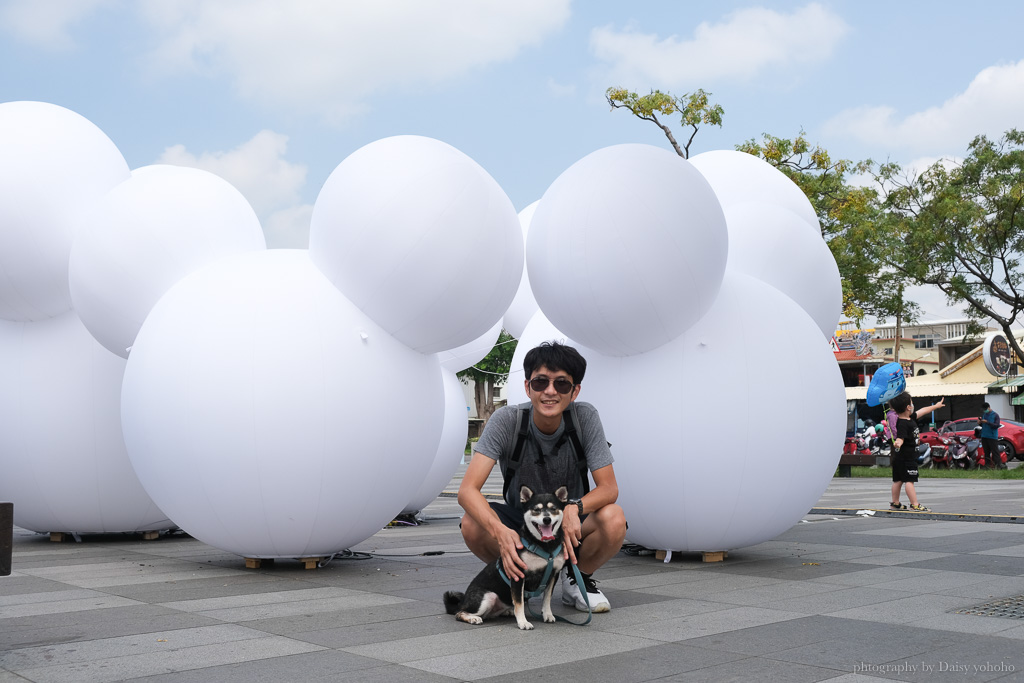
[491, 594]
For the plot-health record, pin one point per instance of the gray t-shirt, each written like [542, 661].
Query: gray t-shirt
[547, 473]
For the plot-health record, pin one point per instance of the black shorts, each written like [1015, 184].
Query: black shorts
[904, 470]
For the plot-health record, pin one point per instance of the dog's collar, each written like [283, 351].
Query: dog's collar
[531, 545]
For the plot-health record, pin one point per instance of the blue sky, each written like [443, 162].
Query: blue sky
[273, 95]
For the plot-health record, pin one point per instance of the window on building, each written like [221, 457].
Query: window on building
[925, 341]
[955, 331]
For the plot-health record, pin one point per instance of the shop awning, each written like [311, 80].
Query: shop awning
[1007, 382]
[936, 389]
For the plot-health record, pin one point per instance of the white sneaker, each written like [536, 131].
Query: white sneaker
[571, 594]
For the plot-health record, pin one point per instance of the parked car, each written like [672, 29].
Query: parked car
[1011, 434]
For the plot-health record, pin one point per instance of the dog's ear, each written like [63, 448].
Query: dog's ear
[562, 493]
[525, 494]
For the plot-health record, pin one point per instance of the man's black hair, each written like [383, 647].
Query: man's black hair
[985, 406]
[900, 403]
[555, 356]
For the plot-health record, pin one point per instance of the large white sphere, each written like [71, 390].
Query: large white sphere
[452, 447]
[399, 224]
[469, 354]
[62, 457]
[741, 177]
[145, 235]
[627, 249]
[269, 416]
[53, 165]
[523, 305]
[773, 244]
[700, 462]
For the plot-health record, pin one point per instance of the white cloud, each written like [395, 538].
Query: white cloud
[332, 55]
[288, 228]
[746, 44]
[46, 24]
[991, 104]
[257, 168]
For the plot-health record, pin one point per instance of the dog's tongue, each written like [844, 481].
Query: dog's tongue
[547, 532]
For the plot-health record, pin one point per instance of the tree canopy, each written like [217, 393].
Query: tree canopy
[694, 110]
[959, 226]
[490, 372]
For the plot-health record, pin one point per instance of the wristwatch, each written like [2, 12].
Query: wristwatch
[578, 503]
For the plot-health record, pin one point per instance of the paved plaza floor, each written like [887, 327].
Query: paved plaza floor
[840, 596]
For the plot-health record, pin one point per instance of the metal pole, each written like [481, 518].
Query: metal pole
[6, 537]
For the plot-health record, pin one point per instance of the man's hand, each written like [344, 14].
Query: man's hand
[510, 544]
[572, 532]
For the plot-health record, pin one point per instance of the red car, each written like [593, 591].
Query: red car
[1011, 435]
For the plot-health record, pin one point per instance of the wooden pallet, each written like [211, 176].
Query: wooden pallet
[256, 562]
[706, 556]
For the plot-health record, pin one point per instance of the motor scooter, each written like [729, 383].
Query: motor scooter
[924, 455]
[940, 455]
[964, 452]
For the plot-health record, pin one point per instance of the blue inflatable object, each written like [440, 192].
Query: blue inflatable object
[887, 383]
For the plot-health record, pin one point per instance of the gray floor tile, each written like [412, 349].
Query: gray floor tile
[634, 666]
[756, 669]
[563, 648]
[198, 657]
[695, 626]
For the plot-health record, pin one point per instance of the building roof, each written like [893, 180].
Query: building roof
[851, 355]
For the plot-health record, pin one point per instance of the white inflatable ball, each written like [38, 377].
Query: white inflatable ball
[145, 235]
[773, 244]
[740, 177]
[63, 461]
[259, 410]
[523, 305]
[727, 480]
[395, 228]
[627, 249]
[466, 356]
[449, 453]
[53, 165]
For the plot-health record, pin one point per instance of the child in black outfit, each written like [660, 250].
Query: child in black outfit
[904, 465]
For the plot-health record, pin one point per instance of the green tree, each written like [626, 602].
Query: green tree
[490, 372]
[960, 227]
[694, 110]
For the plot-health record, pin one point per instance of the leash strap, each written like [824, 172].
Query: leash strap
[544, 583]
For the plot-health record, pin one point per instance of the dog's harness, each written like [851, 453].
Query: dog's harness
[550, 557]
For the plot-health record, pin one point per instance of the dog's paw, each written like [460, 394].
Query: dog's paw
[549, 618]
[526, 626]
[469, 618]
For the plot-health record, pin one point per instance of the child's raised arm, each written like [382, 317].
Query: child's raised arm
[924, 411]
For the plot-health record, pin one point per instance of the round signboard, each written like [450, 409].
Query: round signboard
[998, 357]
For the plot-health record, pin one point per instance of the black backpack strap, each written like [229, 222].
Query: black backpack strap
[573, 432]
[522, 433]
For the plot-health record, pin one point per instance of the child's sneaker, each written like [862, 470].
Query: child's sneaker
[897, 506]
[919, 508]
[571, 594]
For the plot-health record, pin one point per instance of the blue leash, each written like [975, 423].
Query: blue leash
[533, 548]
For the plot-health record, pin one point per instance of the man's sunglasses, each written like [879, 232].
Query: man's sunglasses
[562, 385]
